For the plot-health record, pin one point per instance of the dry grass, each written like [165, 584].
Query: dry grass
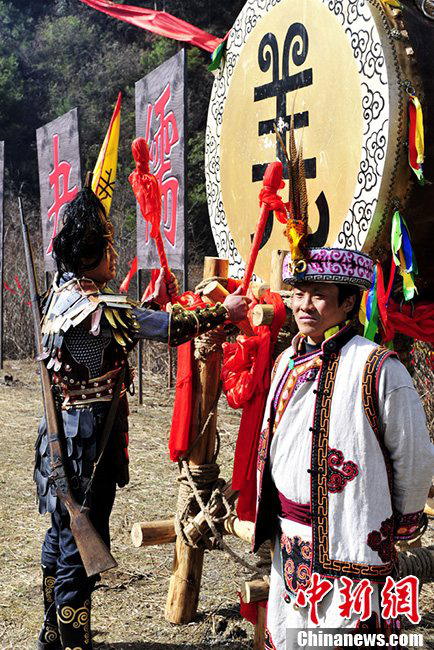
[129, 602]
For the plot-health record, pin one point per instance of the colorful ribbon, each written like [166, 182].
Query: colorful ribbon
[403, 255]
[369, 308]
[416, 147]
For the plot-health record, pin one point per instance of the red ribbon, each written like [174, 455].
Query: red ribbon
[249, 611]
[158, 22]
[180, 432]
[246, 380]
[125, 285]
[417, 322]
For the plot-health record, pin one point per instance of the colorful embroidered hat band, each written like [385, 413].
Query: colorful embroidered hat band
[337, 265]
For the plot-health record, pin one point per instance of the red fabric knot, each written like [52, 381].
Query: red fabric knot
[268, 196]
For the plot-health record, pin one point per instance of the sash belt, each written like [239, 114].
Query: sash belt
[298, 512]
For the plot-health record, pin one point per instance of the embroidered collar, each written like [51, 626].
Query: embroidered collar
[334, 339]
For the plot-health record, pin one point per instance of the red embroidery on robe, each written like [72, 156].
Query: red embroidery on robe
[339, 471]
[382, 540]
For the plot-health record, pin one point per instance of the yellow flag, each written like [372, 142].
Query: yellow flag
[104, 173]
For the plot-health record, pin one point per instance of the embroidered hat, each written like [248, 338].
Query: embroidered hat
[337, 265]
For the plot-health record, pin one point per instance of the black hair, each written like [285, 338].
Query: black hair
[84, 235]
[346, 291]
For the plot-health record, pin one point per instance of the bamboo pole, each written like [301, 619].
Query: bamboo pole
[184, 586]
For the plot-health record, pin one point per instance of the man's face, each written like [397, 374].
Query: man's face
[316, 309]
[106, 269]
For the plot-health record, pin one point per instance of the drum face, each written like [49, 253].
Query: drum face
[335, 70]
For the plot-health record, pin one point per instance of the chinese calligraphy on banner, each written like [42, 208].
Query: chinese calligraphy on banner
[59, 175]
[160, 120]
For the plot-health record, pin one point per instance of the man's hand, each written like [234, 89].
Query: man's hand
[164, 290]
[237, 305]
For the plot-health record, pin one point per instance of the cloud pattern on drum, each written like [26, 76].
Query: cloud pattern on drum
[356, 19]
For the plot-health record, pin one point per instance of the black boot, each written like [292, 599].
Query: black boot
[74, 625]
[49, 638]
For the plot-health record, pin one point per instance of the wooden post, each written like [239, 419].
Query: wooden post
[217, 293]
[184, 587]
[2, 252]
[259, 638]
[253, 591]
[276, 284]
[215, 267]
[140, 345]
[150, 533]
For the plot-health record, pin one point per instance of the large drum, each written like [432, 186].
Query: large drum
[342, 71]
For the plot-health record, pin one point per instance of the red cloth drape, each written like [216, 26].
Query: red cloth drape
[249, 611]
[416, 322]
[246, 380]
[180, 431]
[179, 439]
[158, 22]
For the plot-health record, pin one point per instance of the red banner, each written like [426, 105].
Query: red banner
[158, 22]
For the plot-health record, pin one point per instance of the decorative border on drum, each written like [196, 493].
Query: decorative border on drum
[367, 51]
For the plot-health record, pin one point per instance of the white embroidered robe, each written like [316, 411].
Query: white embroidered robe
[321, 434]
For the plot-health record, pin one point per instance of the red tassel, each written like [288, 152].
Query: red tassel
[129, 276]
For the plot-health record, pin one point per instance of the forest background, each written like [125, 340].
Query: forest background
[59, 54]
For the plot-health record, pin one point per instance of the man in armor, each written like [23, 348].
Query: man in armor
[87, 333]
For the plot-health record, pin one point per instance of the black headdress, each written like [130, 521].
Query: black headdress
[85, 234]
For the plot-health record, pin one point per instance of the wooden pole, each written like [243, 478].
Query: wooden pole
[253, 591]
[162, 531]
[215, 267]
[169, 367]
[150, 533]
[239, 528]
[259, 638]
[217, 293]
[185, 150]
[184, 586]
[262, 315]
[276, 284]
[140, 345]
[2, 252]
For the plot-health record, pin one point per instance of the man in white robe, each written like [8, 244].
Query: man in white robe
[345, 460]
